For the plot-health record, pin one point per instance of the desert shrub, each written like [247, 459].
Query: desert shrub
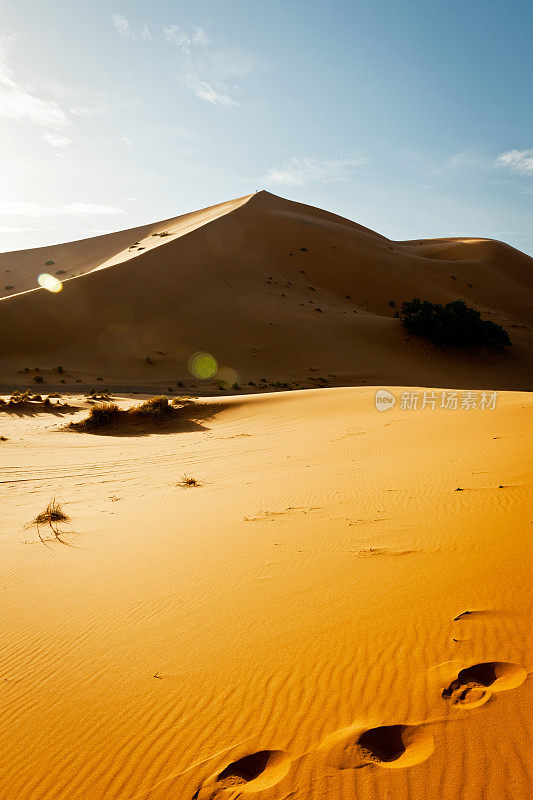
[49, 263]
[150, 414]
[103, 414]
[8, 287]
[454, 324]
[59, 369]
[38, 379]
[156, 406]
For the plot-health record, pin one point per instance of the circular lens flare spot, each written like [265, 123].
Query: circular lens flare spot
[49, 283]
[227, 376]
[202, 365]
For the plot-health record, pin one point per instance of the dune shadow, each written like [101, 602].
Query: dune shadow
[35, 409]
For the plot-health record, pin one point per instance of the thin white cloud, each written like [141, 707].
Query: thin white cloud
[215, 93]
[15, 229]
[21, 103]
[23, 209]
[146, 36]
[302, 171]
[122, 26]
[520, 161]
[206, 68]
[56, 139]
[184, 39]
[89, 209]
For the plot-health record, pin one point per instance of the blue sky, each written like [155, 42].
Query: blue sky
[414, 119]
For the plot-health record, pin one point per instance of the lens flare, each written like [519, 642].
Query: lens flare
[49, 283]
[228, 376]
[202, 365]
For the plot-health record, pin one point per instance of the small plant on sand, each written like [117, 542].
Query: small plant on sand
[156, 406]
[38, 379]
[103, 414]
[49, 263]
[454, 324]
[156, 410]
[52, 515]
[187, 482]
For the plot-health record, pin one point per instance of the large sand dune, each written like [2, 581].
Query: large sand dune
[271, 289]
[326, 616]
[340, 609]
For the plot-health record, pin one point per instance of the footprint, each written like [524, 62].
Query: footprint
[475, 685]
[387, 746]
[252, 773]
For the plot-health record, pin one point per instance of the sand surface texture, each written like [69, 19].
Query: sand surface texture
[325, 616]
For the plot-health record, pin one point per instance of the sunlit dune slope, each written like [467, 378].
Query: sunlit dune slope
[270, 288]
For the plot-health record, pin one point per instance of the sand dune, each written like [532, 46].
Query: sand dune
[326, 616]
[281, 595]
[271, 289]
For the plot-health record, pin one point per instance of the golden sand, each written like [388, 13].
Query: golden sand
[325, 616]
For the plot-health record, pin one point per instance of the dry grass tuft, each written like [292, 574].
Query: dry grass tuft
[52, 515]
[187, 482]
[102, 414]
[157, 412]
[156, 406]
[27, 403]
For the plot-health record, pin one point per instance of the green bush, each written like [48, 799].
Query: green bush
[454, 324]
